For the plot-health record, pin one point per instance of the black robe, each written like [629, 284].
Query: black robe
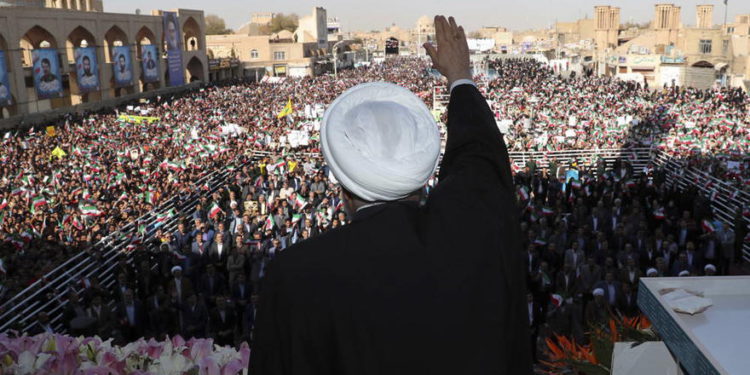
[404, 289]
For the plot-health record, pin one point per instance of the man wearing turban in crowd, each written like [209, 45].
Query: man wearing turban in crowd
[405, 288]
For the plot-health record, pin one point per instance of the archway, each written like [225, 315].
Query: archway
[79, 37]
[36, 37]
[195, 70]
[703, 64]
[112, 38]
[144, 37]
[191, 35]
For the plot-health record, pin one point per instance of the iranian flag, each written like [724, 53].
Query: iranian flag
[659, 213]
[270, 223]
[149, 197]
[123, 196]
[523, 193]
[540, 242]
[162, 217]
[86, 195]
[38, 201]
[708, 226]
[547, 211]
[576, 184]
[299, 202]
[4, 203]
[27, 236]
[87, 177]
[89, 210]
[17, 191]
[296, 218]
[630, 184]
[215, 209]
[172, 166]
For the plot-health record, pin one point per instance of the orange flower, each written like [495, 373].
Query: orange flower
[556, 351]
[613, 331]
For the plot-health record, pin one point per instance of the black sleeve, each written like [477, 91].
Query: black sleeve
[475, 148]
[268, 351]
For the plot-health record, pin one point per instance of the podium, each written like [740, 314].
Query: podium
[709, 343]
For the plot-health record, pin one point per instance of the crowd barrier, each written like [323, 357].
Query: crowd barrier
[728, 198]
[43, 295]
[20, 311]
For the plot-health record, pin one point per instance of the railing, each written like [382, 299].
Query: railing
[21, 309]
[728, 200]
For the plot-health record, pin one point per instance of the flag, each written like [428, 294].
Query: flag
[270, 223]
[659, 213]
[707, 226]
[38, 201]
[89, 210]
[287, 109]
[547, 211]
[576, 184]
[149, 197]
[540, 242]
[215, 209]
[630, 183]
[4, 203]
[50, 131]
[523, 193]
[299, 202]
[58, 153]
[296, 218]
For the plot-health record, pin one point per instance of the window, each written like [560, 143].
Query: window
[254, 54]
[724, 47]
[279, 55]
[704, 46]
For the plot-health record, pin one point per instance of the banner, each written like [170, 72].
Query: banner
[150, 63]
[5, 95]
[121, 66]
[173, 38]
[87, 69]
[137, 119]
[46, 73]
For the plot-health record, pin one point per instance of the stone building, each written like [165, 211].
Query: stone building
[64, 25]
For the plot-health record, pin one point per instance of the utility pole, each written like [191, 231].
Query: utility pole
[725, 15]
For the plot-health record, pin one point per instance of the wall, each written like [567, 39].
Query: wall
[63, 24]
[701, 78]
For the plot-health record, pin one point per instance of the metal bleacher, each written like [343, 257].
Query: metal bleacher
[20, 311]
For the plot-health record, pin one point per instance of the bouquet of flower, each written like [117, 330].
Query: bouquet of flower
[568, 357]
[64, 355]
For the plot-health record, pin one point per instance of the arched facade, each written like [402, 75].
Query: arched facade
[195, 71]
[23, 29]
[192, 35]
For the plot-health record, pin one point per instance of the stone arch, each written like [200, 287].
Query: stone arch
[35, 37]
[191, 35]
[703, 64]
[195, 70]
[79, 37]
[144, 37]
[114, 37]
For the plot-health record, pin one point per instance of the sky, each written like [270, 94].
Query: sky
[358, 15]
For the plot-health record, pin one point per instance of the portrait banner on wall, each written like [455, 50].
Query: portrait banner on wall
[121, 66]
[173, 40]
[46, 73]
[87, 69]
[6, 98]
[150, 63]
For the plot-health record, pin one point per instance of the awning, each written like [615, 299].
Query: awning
[720, 66]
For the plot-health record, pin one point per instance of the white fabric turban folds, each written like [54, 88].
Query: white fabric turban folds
[380, 141]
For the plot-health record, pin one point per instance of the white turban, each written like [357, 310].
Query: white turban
[598, 292]
[176, 268]
[652, 271]
[684, 273]
[709, 267]
[380, 141]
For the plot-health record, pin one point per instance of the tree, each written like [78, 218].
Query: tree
[280, 22]
[215, 25]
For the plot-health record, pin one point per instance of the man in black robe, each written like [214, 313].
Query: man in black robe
[404, 288]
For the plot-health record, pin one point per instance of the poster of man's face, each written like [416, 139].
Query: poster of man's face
[87, 69]
[46, 73]
[121, 66]
[150, 72]
[173, 37]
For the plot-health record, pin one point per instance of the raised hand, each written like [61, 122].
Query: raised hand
[451, 56]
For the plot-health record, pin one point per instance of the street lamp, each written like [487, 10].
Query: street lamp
[335, 59]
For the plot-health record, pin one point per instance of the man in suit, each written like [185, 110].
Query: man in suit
[131, 317]
[575, 256]
[627, 303]
[211, 284]
[320, 295]
[194, 318]
[611, 288]
[102, 316]
[219, 250]
[222, 321]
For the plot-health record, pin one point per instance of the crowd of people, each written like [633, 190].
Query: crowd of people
[117, 167]
[544, 112]
[587, 240]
